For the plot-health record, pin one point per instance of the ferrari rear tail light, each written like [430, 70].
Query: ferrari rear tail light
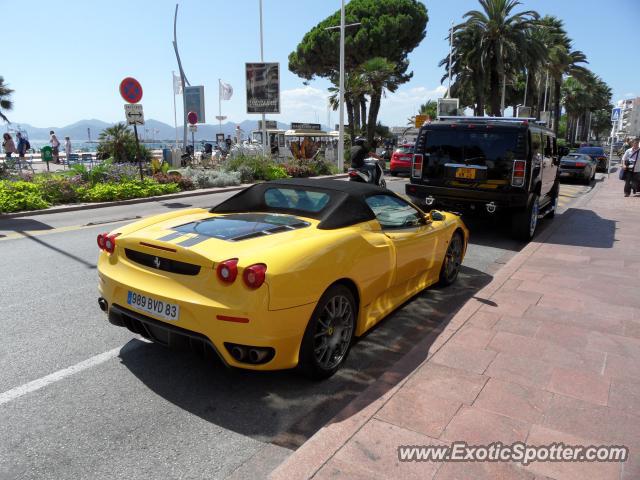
[519, 171]
[107, 242]
[228, 270]
[254, 275]
[101, 239]
[416, 169]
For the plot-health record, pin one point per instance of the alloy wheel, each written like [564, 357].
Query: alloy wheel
[334, 330]
[453, 258]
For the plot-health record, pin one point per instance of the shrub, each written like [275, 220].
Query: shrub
[16, 196]
[209, 178]
[59, 189]
[299, 169]
[275, 172]
[184, 183]
[256, 167]
[103, 192]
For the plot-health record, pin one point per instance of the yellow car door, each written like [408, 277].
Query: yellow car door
[415, 239]
[415, 249]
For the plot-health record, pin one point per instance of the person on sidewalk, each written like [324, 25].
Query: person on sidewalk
[8, 145]
[55, 146]
[67, 148]
[22, 146]
[631, 166]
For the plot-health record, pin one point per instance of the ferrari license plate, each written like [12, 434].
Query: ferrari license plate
[468, 173]
[147, 304]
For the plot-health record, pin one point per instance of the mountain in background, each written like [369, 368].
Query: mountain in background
[151, 130]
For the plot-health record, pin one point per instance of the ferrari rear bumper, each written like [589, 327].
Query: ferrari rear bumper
[253, 338]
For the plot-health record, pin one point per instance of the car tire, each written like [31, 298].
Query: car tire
[333, 332]
[394, 174]
[525, 222]
[452, 260]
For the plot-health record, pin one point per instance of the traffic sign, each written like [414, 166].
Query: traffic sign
[192, 118]
[420, 119]
[131, 90]
[134, 113]
[615, 114]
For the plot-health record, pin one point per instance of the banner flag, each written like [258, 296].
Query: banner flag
[226, 91]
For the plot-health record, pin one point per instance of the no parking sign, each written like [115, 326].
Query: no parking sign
[131, 90]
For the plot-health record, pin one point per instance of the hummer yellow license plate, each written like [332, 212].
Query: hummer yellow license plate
[468, 173]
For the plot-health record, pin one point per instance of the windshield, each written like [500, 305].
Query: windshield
[495, 149]
[404, 149]
[240, 226]
[591, 150]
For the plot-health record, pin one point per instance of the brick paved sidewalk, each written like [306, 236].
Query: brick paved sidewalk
[548, 352]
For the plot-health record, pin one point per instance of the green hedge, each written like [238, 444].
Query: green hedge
[21, 195]
[16, 196]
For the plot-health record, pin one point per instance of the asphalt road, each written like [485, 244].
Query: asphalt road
[80, 398]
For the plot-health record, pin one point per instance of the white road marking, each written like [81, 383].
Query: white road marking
[18, 392]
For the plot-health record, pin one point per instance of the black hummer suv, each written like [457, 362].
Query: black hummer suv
[500, 165]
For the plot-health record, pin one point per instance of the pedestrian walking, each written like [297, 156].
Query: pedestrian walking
[631, 167]
[55, 146]
[23, 145]
[8, 145]
[67, 148]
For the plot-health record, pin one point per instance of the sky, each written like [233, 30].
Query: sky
[66, 59]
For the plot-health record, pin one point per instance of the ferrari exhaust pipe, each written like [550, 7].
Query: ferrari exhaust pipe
[256, 356]
[237, 353]
[491, 207]
[102, 303]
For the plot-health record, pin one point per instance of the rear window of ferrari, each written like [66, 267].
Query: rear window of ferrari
[296, 199]
[242, 226]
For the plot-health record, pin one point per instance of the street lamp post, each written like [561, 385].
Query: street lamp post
[341, 89]
[264, 123]
[342, 28]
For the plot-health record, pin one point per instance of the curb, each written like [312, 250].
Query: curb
[170, 196]
[305, 462]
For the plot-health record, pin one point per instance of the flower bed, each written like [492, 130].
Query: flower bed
[117, 181]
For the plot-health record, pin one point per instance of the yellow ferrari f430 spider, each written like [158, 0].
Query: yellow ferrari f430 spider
[282, 274]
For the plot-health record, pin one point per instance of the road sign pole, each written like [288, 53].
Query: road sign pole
[135, 132]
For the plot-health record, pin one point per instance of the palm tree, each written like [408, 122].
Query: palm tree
[5, 99]
[380, 75]
[470, 75]
[502, 41]
[430, 108]
[117, 142]
[562, 61]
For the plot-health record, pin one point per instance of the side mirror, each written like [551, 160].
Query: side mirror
[435, 216]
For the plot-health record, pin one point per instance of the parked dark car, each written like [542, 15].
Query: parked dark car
[401, 159]
[578, 166]
[507, 166]
[598, 154]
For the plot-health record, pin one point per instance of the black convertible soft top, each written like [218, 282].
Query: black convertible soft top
[346, 205]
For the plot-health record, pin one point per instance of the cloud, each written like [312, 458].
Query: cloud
[397, 107]
[309, 104]
[304, 104]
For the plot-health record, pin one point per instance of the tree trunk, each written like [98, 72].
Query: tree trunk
[356, 115]
[495, 94]
[374, 106]
[363, 111]
[557, 84]
[349, 105]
